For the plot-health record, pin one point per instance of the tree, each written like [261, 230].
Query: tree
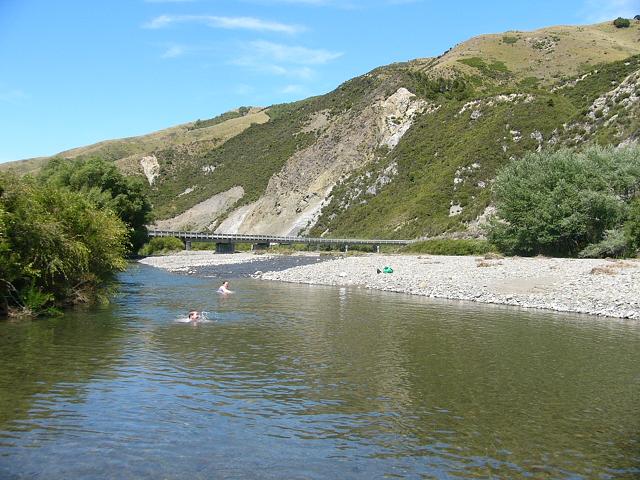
[559, 203]
[102, 182]
[56, 246]
[622, 22]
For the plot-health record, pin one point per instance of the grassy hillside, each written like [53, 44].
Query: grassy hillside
[252, 157]
[548, 54]
[491, 99]
[200, 135]
[449, 159]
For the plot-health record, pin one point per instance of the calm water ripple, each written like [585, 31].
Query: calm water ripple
[309, 382]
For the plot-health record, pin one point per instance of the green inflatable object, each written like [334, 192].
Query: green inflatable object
[387, 270]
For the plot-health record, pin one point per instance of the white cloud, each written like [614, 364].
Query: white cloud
[174, 51]
[290, 89]
[230, 23]
[602, 10]
[291, 54]
[14, 95]
[275, 69]
[243, 89]
[283, 60]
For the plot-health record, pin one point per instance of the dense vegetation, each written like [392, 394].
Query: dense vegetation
[102, 183]
[451, 157]
[65, 233]
[569, 203]
[56, 247]
[160, 245]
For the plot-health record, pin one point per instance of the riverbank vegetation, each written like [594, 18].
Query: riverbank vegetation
[64, 234]
[569, 203]
[103, 184]
[161, 246]
[57, 248]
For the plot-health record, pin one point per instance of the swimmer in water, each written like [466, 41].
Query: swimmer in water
[194, 316]
[224, 288]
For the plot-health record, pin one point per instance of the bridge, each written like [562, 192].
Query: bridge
[225, 242]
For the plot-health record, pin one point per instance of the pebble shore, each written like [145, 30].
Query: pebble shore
[598, 287]
[187, 261]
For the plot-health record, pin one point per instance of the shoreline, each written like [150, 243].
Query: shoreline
[609, 288]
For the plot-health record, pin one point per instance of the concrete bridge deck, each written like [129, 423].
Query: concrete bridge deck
[225, 241]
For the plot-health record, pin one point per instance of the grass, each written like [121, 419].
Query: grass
[451, 247]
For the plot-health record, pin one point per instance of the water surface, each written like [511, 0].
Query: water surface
[296, 381]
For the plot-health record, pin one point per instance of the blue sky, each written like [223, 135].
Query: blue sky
[77, 72]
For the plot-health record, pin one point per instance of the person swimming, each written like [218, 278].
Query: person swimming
[194, 316]
[224, 288]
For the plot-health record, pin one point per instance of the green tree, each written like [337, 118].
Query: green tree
[558, 203]
[56, 247]
[102, 182]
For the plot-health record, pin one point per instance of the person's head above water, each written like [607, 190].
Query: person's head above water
[224, 288]
[194, 315]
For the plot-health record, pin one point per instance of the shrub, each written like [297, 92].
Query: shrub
[559, 203]
[613, 245]
[451, 247]
[56, 246]
[161, 245]
[622, 22]
[632, 227]
[102, 183]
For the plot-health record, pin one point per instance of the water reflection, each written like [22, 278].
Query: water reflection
[316, 382]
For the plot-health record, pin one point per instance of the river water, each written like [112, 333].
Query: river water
[296, 381]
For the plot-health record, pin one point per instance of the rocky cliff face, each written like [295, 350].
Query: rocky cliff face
[295, 195]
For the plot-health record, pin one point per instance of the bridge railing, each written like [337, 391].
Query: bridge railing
[243, 238]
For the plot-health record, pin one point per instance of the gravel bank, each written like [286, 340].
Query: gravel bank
[597, 287]
[188, 261]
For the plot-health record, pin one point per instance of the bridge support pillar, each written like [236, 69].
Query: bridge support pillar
[346, 249]
[377, 248]
[187, 245]
[225, 248]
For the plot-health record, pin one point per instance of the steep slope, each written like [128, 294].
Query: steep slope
[407, 150]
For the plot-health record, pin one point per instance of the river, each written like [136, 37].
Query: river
[296, 381]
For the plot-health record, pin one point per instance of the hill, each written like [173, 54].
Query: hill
[407, 150]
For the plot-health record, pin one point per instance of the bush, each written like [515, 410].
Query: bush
[56, 247]
[614, 245]
[632, 227]
[161, 245]
[102, 182]
[450, 247]
[559, 203]
[622, 22]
